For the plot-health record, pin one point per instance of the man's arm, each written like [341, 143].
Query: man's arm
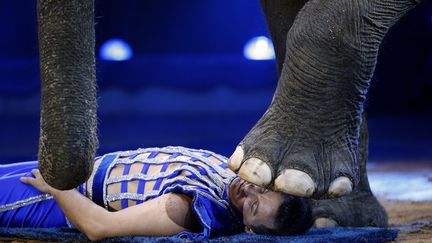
[166, 215]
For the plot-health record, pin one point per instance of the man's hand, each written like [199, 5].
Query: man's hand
[38, 182]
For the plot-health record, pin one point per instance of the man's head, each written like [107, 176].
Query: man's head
[269, 212]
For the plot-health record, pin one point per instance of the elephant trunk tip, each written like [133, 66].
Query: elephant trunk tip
[65, 170]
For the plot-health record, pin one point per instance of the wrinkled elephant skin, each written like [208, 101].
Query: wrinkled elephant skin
[68, 137]
[307, 141]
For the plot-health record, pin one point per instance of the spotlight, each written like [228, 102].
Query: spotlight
[115, 50]
[259, 48]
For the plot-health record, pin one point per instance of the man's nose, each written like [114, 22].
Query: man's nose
[250, 189]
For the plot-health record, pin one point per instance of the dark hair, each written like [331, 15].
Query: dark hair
[293, 217]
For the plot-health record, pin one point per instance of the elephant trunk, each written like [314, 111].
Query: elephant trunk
[68, 138]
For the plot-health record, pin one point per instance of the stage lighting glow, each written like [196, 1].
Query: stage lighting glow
[115, 50]
[259, 48]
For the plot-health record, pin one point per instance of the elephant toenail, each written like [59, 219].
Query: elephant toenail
[295, 182]
[256, 171]
[236, 158]
[325, 222]
[340, 186]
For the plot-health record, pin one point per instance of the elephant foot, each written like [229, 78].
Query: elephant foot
[276, 155]
[307, 143]
[359, 209]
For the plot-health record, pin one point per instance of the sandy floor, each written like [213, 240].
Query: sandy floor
[414, 219]
[405, 190]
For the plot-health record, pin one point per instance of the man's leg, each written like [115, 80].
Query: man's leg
[16, 168]
[22, 205]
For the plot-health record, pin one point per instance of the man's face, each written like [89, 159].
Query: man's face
[257, 205]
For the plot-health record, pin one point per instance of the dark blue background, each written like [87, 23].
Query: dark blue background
[188, 83]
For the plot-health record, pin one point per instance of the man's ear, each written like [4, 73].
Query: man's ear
[248, 230]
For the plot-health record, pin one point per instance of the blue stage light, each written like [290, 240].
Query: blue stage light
[259, 48]
[115, 50]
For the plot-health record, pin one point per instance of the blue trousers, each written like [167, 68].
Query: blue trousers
[22, 205]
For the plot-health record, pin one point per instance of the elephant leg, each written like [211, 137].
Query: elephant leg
[358, 209]
[280, 15]
[68, 138]
[306, 143]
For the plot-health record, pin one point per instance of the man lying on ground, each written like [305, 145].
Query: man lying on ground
[151, 192]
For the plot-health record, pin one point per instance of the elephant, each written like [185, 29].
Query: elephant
[359, 208]
[68, 138]
[308, 141]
